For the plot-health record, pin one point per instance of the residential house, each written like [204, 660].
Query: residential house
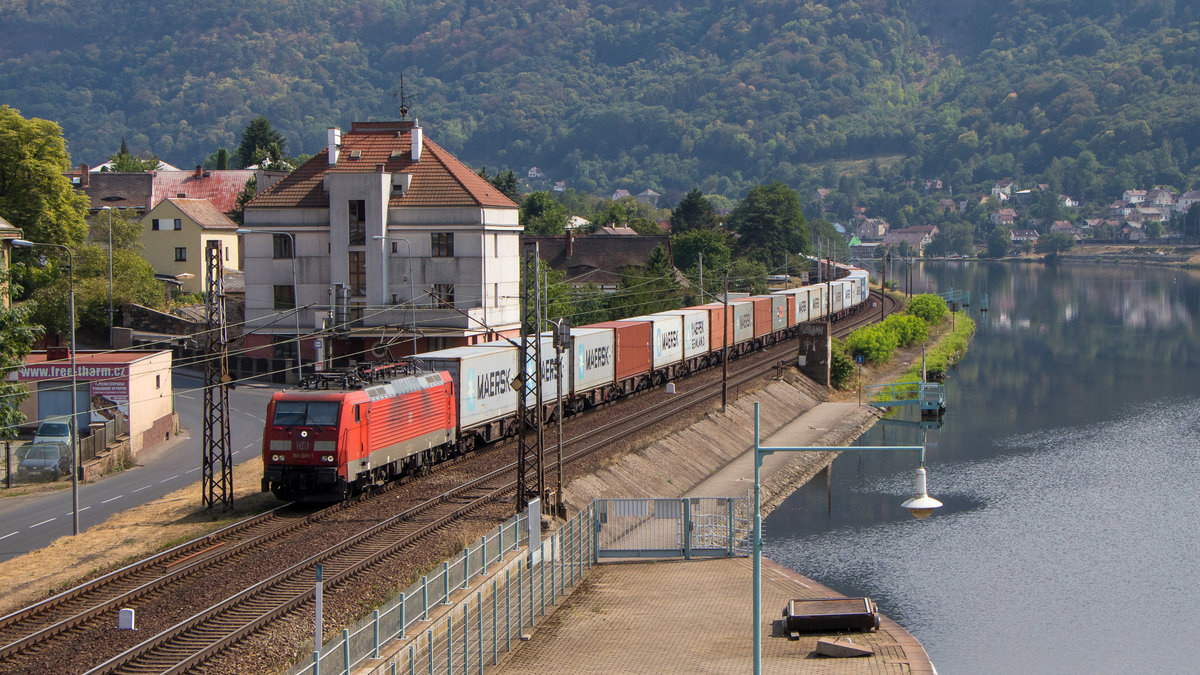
[616, 230]
[1150, 214]
[176, 235]
[1186, 200]
[597, 259]
[820, 194]
[1003, 189]
[620, 194]
[931, 230]
[535, 173]
[947, 205]
[649, 197]
[1120, 209]
[1020, 236]
[1130, 232]
[142, 191]
[577, 223]
[872, 229]
[1134, 196]
[7, 234]
[1161, 197]
[1006, 217]
[917, 241]
[560, 186]
[1067, 201]
[933, 185]
[1065, 227]
[398, 248]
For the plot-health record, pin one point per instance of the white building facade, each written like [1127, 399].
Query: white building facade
[398, 247]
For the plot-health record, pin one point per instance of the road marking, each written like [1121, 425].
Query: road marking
[171, 478]
[141, 488]
[112, 500]
[68, 513]
[236, 452]
[192, 469]
[10, 534]
[43, 523]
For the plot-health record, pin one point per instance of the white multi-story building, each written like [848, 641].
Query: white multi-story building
[422, 252]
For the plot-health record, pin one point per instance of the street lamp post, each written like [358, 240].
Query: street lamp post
[295, 290]
[22, 243]
[921, 506]
[412, 298]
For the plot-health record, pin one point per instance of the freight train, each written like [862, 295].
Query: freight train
[376, 423]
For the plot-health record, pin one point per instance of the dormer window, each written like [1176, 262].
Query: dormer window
[356, 154]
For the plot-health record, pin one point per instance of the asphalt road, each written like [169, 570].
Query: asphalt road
[34, 521]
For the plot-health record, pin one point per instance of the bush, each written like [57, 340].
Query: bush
[841, 366]
[874, 343]
[930, 308]
[909, 329]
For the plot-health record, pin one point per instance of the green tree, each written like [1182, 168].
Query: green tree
[841, 365]
[259, 139]
[928, 307]
[874, 343]
[647, 289]
[714, 244]
[909, 328]
[17, 337]
[694, 212]
[126, 229]
[505, 181]
[769, 222]
[35, 196]
[123, 161]
[1055, 243]
[748, 276]
[542, 214]
[999, 242]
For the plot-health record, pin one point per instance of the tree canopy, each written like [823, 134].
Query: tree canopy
[769, 223]
[694, 212]
[260, 140]
[35, 196]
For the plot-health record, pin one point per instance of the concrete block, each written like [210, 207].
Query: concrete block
[842, 648]
[126, 620]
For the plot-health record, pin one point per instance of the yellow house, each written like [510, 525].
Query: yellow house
[7, 234]
[175, 236]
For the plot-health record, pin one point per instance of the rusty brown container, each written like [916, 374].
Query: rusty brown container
[762, 314]
[716, 332]
[631, 345]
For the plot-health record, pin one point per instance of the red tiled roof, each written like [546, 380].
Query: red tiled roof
[204, 214]
[437, 180]
[219, 187]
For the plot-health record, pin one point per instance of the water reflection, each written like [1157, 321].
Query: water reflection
[1068, 465]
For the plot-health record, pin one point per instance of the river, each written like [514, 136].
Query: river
[1068, 463]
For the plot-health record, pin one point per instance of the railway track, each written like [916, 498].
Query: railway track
[191, 641]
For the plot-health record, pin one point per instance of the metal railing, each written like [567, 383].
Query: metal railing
[672, 528]
[480, 625]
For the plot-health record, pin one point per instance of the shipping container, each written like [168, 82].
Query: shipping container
[550, 365]
[666, 338]
[718, 327]
[592, 362]
[631, 346]
[817, 302]
[743, 321]
[695, 331]
[762, 314]
[837, 296]
[779, 311]
[483, 377]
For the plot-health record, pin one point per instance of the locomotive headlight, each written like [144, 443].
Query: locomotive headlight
[277, 458]
[304, 433]
[327, 458]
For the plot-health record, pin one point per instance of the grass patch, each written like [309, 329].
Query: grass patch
[949, 345]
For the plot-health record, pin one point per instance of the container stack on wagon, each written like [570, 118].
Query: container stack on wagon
[605, 361]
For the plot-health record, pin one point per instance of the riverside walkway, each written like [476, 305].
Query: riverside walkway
[695, 616]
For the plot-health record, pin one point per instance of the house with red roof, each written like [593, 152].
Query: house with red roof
[387, 240]
[177, 232]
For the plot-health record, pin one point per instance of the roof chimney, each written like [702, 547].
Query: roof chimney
[84, 175]
[334, 138]
[416, 141]
[199, 172]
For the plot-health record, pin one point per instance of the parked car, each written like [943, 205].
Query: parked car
[54, 431]
[45, 461]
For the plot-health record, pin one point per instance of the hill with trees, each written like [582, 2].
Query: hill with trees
[1086, 95]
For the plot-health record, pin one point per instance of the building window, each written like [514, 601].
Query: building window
[178, 224]
[158, 381]
[358, 222]
[226, 253]
[285, 296]
[180, 254]
[154, 223]
[283, 347]
[358, 272]
[443, 295]
[282, 244]
[443, 244]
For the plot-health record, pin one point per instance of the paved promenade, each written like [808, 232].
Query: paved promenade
[695, 616]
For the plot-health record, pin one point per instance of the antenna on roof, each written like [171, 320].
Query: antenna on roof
[403, 99]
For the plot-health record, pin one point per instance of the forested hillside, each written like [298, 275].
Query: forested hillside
[1090, 95]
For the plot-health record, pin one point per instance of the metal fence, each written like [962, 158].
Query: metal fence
[480, 626]
[683, 527]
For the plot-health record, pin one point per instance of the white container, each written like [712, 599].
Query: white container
[666, 338]
[695, 331]
[837, 295]
[592, 359]
[550, 366]
[482, 381]
[743, 321]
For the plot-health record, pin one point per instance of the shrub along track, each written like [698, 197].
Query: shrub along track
[256, 578]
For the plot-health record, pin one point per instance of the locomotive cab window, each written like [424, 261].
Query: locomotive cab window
[358, 413]
[306, 414]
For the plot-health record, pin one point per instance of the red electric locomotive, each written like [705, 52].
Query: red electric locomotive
[323, 444]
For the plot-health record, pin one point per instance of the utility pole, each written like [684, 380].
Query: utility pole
[562, 342]
[725, 348]
[529, 450]
[218, 457]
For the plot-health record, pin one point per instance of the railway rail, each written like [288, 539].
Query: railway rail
[190, 642]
